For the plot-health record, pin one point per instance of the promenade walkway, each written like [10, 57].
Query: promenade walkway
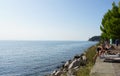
[102, 68]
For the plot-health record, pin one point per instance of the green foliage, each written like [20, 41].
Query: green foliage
[85, 70]
[90, 53]
[111, 23]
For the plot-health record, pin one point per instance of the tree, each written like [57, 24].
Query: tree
[111, 23]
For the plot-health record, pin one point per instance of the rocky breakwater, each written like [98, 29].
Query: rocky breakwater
[71, 66]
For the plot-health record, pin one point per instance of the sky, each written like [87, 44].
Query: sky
[51, 19]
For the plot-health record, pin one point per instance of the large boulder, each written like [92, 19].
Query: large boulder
[74, 63]
[77, 56]
[67, 64]
[53, 73]
[83, 60]
[58, 73]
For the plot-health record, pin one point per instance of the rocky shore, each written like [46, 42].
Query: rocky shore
[71, 67]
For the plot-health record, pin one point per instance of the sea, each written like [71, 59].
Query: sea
[37, 58]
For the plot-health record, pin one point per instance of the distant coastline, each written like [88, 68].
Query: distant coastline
[95, 38]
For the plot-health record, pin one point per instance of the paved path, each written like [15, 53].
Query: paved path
[117, 65]
[102, 69]
[116, 68]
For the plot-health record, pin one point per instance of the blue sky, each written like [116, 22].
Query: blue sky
[51, 19]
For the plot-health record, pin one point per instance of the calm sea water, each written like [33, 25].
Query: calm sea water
[37, 58]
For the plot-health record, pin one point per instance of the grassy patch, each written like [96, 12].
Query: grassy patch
[85, 70]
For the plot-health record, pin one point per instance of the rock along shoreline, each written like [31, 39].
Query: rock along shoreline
[71, 67]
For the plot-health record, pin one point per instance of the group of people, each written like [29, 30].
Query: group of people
[104, 48]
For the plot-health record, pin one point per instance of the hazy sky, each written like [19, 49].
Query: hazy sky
[51, 19]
